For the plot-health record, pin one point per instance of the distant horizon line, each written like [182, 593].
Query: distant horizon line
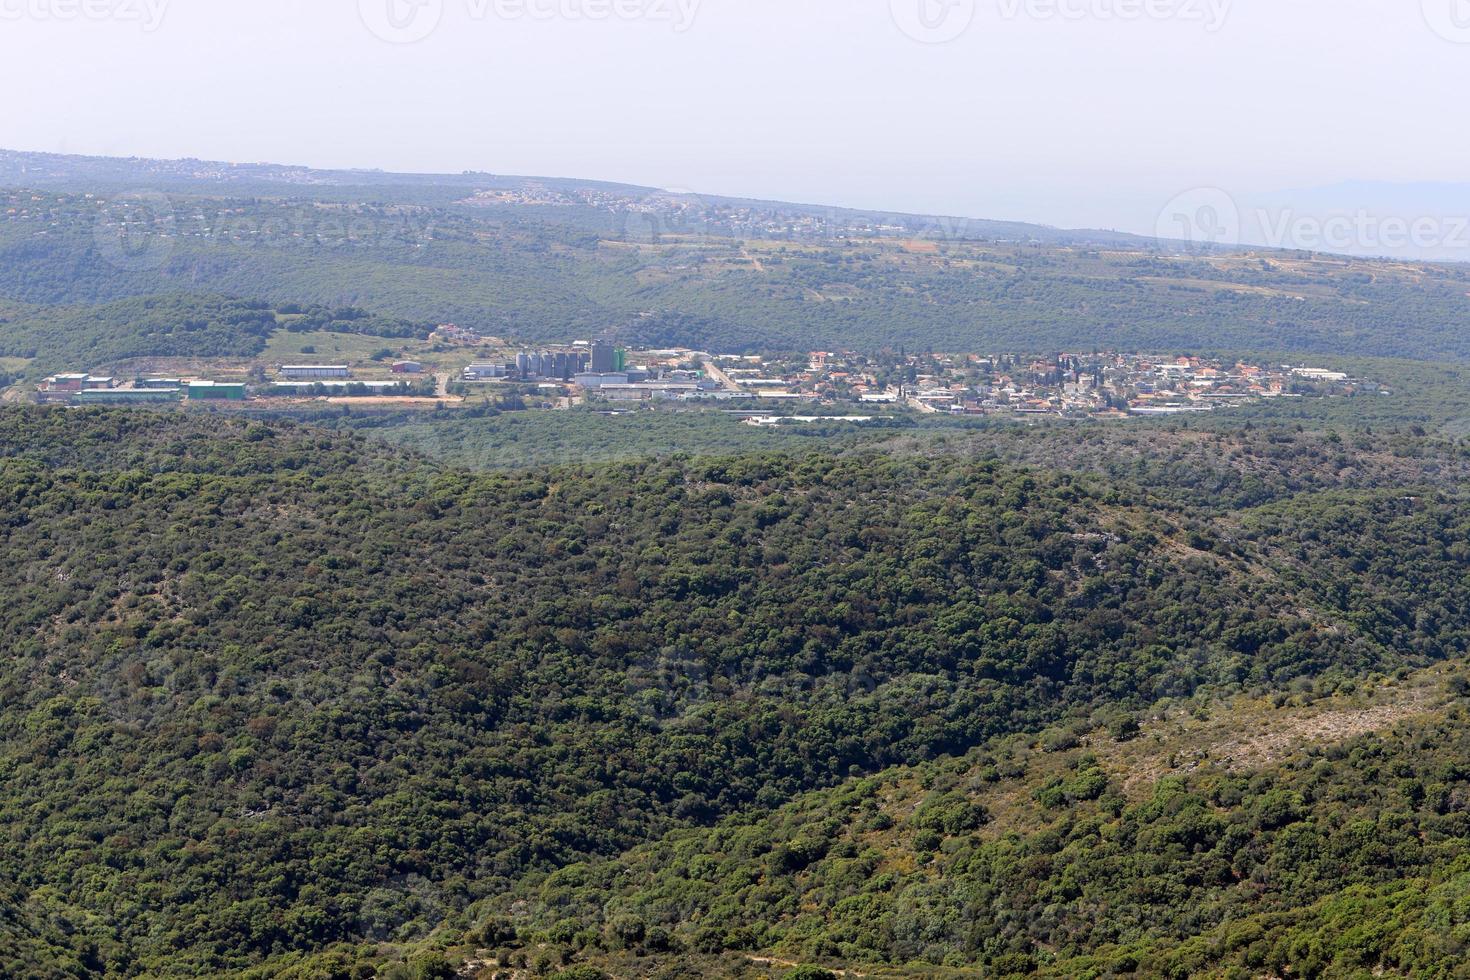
[1241, 244]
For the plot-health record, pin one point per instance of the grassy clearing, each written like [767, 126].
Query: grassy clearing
[1242, 734]
[357, 351]
[323, 347]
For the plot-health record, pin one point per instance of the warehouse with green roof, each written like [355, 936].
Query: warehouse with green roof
[213, 391]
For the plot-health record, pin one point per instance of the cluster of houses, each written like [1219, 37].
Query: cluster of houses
[1076, 385]
[452, 335]
[1073, 385]
[1070, 385]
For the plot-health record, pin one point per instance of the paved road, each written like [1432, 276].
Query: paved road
[718, 375]
[924, 407]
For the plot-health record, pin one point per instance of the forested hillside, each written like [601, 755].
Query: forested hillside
[537, 274]
[180, 325]
[271, 691]
[1320, 833]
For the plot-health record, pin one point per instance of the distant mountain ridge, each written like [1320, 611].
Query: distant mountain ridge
[57, 171]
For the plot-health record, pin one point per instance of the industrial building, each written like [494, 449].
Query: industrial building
[552, 366]
[486, 372]
[314, 372]
[216, 391]
[648, 391]
[376, 387]
[596, 379]
[604, 358]
[126, 396]
[75, 383]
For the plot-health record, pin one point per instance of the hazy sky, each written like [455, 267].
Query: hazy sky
[1071, 112]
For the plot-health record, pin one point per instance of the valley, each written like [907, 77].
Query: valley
[416, 577]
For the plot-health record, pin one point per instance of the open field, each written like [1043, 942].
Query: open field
[285, 347]
[357, 351]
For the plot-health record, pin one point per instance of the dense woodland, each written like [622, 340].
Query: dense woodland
[273, 690]
[1040, 857]
[172, 326]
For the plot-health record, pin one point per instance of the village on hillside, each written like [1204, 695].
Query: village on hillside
[459, 367]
